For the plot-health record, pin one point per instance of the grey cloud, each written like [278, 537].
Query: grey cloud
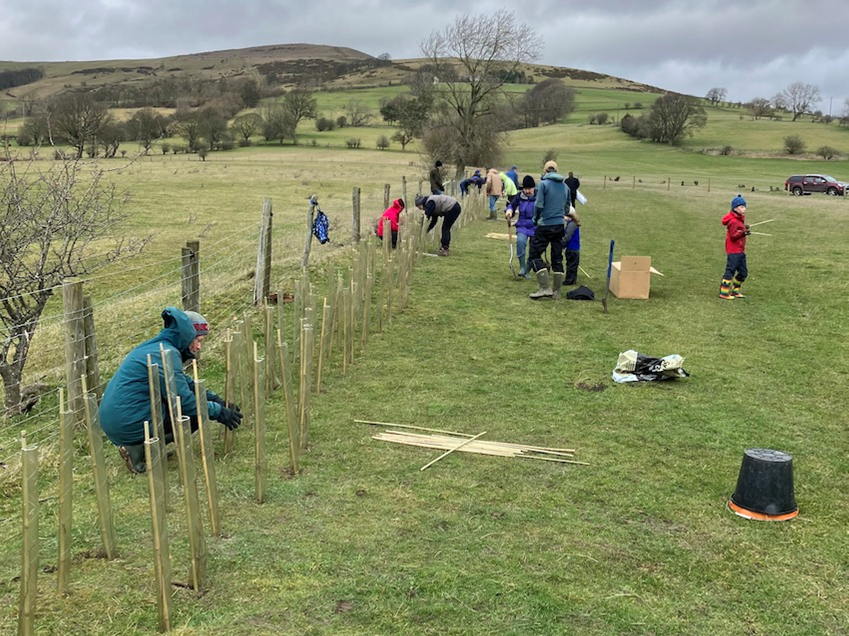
[751, 47]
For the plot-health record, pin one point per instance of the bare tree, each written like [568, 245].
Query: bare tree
[246, 126]
[78, 119]
[146, 126]
[673, 116]
[716, 95]
[800, 97]
[57, 223]
[760, 107]
[358, 113]
[488, 49]
[278, 124]
[546, 102]
[299, 104]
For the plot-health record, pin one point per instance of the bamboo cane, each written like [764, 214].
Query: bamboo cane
[207, 453]
[448, 452]
[159, 527]
[761, 222]
[584, 271]
[760, 233]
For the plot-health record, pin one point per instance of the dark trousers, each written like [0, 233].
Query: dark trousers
[394, 239]
[169, 428]
[447, 222]
[546, 235]
[736, 264]
[573, 259]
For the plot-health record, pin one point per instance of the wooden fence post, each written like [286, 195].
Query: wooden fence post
[386, 195]
[75, 362]
[355, 215]
[404, 190]
[305, 259]
[262, 280]
[92, 370]
[191, 276]
[29, 566]
[66, 492]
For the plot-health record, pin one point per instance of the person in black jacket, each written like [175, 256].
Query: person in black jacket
[574, 183]
[436, 186]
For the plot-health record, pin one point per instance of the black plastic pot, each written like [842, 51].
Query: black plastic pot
[765, 486]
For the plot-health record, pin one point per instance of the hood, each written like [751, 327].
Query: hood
[731, 216]
[553, 176]
[397, 206]
[178, 330]
[492, 171]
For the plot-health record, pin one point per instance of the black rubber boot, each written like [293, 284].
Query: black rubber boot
[133, 456]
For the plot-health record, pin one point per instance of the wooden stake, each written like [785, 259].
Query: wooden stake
[447, 453]
[761, 222]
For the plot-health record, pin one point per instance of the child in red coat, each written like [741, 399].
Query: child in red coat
[392, 213]
[736, 269]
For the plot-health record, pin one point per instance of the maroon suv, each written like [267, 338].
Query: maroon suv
[805, 184]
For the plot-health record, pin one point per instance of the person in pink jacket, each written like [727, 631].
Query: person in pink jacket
[393, 212]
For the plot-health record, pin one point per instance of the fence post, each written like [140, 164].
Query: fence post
[404, 190]
[191, 276]
[355, 216]
[92, 369]
[29, 567]
[305, 259]
[262, 280]
[75, 363]
[386, 195]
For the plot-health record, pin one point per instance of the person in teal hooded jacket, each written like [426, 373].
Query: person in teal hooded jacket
[550, 209]
[126, 402]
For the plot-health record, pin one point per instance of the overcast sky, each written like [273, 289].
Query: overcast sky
[753, 48]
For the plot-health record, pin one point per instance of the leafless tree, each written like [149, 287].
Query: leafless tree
[358, 113]
[78, 119]
[760, 107]
[673, 116]
[56, 223]
[716, 95]
[246, 126]
[299, 104]
[488, 49]
[546, 102]
[800, 97]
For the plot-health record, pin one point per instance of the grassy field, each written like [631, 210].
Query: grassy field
[363, 542]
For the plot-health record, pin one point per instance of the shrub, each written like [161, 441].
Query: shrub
[601, 118]
[24, 139]
[244, 143]
[827, 152]
[324, 123]
[794, 145]
[353, 142]
[726, 150]
[382, 142]
[341, 121]
[550, 155]
[165, 148]
[202, 151]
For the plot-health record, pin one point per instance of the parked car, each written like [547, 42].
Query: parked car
[808, 183]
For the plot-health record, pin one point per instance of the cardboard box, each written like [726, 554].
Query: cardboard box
[631, 277]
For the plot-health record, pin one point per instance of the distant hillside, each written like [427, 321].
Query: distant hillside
[284, 64]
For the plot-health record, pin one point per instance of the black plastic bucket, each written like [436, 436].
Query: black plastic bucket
[765, 486]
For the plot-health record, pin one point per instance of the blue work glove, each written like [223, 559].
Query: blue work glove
[231, 418]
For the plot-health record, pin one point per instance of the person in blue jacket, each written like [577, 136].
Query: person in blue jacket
[572, 248]
[126, 402]
[520, 211]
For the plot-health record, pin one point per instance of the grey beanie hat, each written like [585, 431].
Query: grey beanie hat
[420, 200]
[199, 323]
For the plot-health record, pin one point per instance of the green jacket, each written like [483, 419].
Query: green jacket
[126, 402]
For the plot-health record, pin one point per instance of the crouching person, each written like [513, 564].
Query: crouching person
[126, 402]
[440, 205]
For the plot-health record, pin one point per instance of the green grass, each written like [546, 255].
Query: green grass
[363, 542]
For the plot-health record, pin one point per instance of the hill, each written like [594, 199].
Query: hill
[286, 64]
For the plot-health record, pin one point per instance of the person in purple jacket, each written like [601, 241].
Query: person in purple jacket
[520, 211]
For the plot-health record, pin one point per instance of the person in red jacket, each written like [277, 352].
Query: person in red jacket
[393, 212]
[736, 269]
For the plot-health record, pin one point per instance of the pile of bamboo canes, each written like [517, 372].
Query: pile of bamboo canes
[451, 441]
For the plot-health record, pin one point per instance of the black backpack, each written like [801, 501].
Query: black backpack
[581, 293]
